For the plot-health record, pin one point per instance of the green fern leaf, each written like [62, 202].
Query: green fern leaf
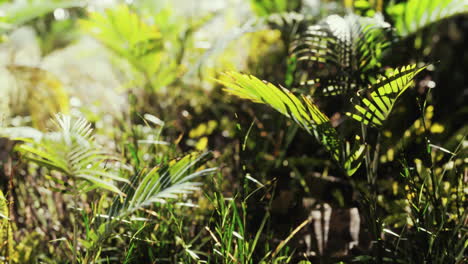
[159, 184]
[383, 94]
[302, 110]
[141, 44]
[71, 150]
[414, 15]
[335, 56]
[282, 100]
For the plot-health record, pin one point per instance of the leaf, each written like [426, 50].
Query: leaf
[6, 229]
[268, 7]
[21, 12]
[139, 42]
[335, 56]
[123, 31]
[303, 111]
[159, 184]
[413, 15]
[383, 94]
[71, 149]
[282, 100]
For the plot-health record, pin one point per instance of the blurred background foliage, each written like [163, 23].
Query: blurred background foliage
[120, 144]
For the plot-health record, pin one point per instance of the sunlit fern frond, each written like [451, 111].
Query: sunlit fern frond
[71, 150]
[353, 155]
[139, 42]
[349, 158]
[383, 94]
[334, 56]
[123, 31]
[162, 183]
[302, 110]
[413, 15]
[251, 88]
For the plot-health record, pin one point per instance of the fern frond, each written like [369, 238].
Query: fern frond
[302, 110]
[383, 94]
[414, 15]
[123, 31]
[141, 44]
[71, 149]
[335, 55]
[159, 184]
[251, 88]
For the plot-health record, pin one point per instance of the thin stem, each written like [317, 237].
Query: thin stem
[375, 162]
[367, 157]
[11, 215]
[371, 170]
[75, 238]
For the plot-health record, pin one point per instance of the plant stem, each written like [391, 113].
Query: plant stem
[75, 239]
[9, 172]
[371, 170]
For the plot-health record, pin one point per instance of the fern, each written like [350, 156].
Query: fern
[336, 56]
[383, 94]
[71, 150]
[303, 111]
[156, 185]
[413, 15]
[161, 183]
[131, 38]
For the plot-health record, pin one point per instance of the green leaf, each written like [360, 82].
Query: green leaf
[302, 110]
[21, 12]
[161, 183]
[71, 150]
[383, 94]
[337, 55]
[414, 15]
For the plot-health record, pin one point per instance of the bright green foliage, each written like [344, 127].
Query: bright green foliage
[337, 55]
[20, 12]
[71, 149]
[365, 7]
[383, 94]
[3, 209]
[166, 182]
[123, 31]
[268, 7]
[251, 88]
[303, 111]
[230, 233]
[130, 37]
[143, 206]
[149, 186]
[413, 15]
[4, 225]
